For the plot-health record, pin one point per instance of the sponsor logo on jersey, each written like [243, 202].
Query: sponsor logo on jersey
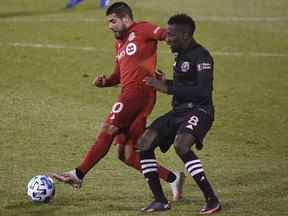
[185, 66]
[131, 36]
[131, 49]
[203, 66]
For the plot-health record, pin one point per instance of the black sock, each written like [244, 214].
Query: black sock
[150, 170]
[195, 168]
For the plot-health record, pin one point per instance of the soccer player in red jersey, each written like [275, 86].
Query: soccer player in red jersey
[136, 45]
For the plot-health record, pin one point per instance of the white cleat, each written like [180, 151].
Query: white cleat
[177, 186]
[69, 177]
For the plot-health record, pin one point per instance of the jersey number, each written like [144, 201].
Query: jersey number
[193, 121]
[117, 108]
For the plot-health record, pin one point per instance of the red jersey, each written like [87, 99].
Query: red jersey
[136, 54]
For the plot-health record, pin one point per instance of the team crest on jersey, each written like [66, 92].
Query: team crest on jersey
[131, 36]
[185, 66]
[131, 48]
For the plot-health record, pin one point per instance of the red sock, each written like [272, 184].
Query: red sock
[134, 161]
[96, 152]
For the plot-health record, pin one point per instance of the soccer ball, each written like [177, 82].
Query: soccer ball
[41, 189]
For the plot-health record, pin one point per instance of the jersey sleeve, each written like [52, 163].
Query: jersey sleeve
[114, 78]
[154, 32]
[203, 87]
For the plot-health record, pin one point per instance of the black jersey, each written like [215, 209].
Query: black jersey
[192, 83]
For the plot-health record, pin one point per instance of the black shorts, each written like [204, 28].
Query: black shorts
[192, 121]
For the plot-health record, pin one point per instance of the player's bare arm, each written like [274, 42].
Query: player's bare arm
[100, 81]
[159, 85]
[161, 75]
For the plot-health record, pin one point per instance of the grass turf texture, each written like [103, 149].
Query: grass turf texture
[50, 112]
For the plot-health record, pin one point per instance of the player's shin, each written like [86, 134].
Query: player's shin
[96, 152]
[196, 170]
[164, 173]
[150, 171]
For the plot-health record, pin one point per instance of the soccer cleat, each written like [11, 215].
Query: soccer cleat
[156, 206]
[69, 177]
[177, 186]
[211, 206]
[73, 3]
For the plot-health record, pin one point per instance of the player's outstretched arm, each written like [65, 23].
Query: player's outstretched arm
[112, 80]
[159, 85]
[100, 81]
[160, 75]
[103, 81]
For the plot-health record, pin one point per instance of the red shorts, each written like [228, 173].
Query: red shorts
[130, 112]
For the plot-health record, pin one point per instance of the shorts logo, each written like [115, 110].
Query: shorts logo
[185, 66]
[131, 36]
[193, 121]
[203, 66]
[117, 107]
[131, 49]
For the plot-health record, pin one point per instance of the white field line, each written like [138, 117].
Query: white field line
[90, 48]
[242, 19]
[197, 18]
[52, 20]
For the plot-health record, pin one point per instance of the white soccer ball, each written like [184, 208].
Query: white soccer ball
[41, 189]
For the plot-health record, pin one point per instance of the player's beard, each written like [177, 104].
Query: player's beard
[117, 34]
[120, 34]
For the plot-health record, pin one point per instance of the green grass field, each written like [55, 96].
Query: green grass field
[50, 112]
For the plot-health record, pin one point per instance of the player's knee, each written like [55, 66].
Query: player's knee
[181, 149]
[125, 153]
[109, 129]
[146, 141]
[183, 143]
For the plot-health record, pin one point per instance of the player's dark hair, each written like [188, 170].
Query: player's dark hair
[121, 9]
[183, 20]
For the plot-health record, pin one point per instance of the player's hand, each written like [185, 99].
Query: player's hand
[160, 75]
[159, 85]
[100, 81]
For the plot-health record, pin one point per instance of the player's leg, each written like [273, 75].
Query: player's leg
[96, 152]
[153, 137]
[150, 171]
[112, 126]
[99, 149]
[193, 130]
[137, 107]
[128, 155]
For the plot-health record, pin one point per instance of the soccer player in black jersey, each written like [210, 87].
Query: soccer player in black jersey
[191, 116]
